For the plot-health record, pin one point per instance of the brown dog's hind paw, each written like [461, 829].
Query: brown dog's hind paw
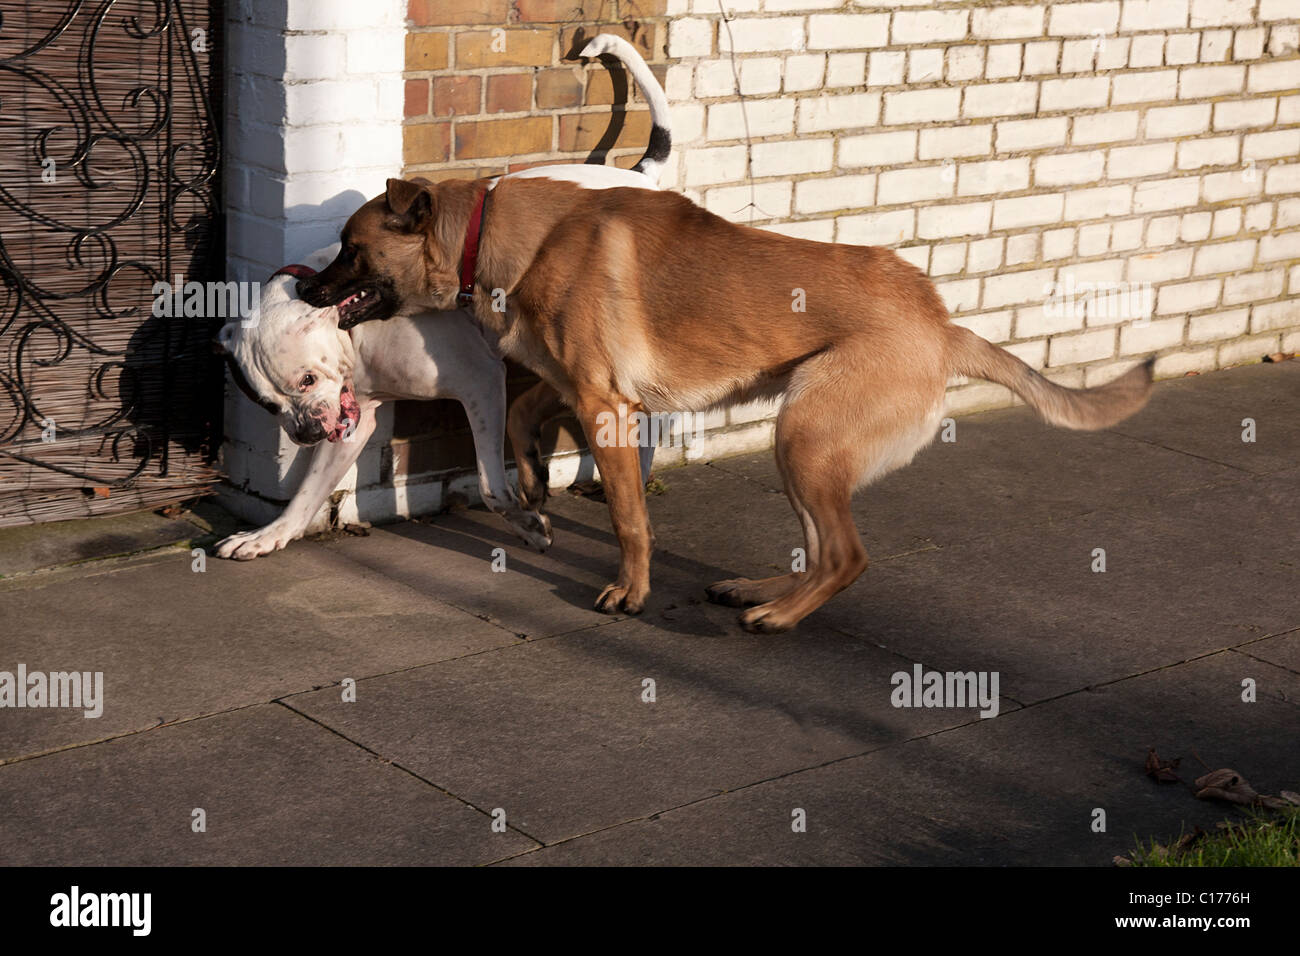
[617, 599]
[763, 620]
[736, 592]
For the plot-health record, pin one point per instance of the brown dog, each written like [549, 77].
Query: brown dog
[626, 297]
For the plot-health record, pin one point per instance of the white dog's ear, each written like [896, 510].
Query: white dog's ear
[410, 203]
[221, 344]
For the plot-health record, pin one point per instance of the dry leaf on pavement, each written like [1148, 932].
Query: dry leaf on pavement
[1162, 770]
[1225, 785]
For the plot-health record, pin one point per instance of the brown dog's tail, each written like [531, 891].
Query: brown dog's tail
[1083, 408]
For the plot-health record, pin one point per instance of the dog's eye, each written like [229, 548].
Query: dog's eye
[307, 382]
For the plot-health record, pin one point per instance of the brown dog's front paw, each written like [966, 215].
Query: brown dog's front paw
[616, 598]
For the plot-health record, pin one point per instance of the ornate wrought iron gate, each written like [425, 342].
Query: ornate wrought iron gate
[109, 183]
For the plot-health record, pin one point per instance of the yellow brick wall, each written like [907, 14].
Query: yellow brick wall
[495, 86]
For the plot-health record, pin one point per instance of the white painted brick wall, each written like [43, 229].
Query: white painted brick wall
[1015, 135]
[1000, 99]
[1006, 22]
[945, 222]
[922, 106]
[844, 111]
[945, 142]
[771, 117]
[835, 192]
[768, 35]
[928, 26]
[716, 164]
[1004, 144]
[878, 149]
[305, 145]
[788, 158]
[848, 31]
[995, 176]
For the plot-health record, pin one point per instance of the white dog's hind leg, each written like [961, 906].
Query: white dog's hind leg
[487, 421]
[646, 457]
[329, 464]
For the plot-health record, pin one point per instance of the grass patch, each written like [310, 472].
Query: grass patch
[1262, 839]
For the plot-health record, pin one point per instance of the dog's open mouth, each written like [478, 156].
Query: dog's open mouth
[366, 303]
[373, 299]
[355, 304]
[349, 413]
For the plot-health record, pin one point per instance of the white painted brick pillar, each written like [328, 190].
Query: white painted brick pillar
[313, 128]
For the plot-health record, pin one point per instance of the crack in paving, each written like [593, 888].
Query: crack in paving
[405, 769]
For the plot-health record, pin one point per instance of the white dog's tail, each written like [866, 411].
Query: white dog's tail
[661, 134]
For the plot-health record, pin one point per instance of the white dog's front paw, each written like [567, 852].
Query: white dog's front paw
[247, 545]
[533, 527]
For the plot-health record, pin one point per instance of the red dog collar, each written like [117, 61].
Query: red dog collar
[469, 259]
[295, 270]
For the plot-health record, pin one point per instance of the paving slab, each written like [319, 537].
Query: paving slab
[712, 524]
[1020, 789]
[32, 546]
[452, 557]
[276, 790]
[1006, 469]
[1283, 650]
[1246, 524]
[1028, 604]
[174, 643]
[558, 734]
[539, 595]
[1202, 415]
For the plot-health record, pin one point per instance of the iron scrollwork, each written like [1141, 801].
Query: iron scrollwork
[109, 182]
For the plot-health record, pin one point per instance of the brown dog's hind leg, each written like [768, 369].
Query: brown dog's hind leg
[528, 413]
[824, 457]
[744, 592]
[620, 474]
[824, 488]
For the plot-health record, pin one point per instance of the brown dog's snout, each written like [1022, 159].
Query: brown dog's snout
[326, 287]
[312, 291]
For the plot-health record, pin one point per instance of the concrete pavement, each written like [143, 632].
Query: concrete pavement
[486, 697]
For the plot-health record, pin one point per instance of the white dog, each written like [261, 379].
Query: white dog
[324, 383]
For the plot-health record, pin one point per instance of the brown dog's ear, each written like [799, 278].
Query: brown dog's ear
[410, 203]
